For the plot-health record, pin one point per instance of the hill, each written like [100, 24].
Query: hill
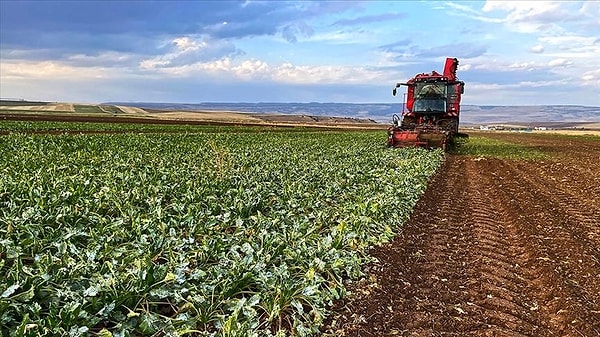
[314, 113]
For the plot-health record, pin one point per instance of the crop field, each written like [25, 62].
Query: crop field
[88, 109]
[110, 109]
[504, 242]
[195, 231]
[57, 128]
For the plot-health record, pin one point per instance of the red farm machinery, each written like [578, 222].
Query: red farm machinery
[430, 110]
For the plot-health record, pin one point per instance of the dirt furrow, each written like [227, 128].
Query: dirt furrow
[502, 278]
[573, 201]
[561, 255]
[579, 225]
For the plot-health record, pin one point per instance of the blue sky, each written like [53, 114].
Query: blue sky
[511, 53]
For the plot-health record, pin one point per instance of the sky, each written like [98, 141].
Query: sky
[510, 52]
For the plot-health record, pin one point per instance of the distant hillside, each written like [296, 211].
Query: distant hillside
[382, 112]
[379, 112]
[474, 114]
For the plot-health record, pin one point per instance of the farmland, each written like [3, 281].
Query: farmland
[504, 242]
[193, 231]
[172, 114]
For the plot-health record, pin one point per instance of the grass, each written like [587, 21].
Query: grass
[80, 108]
[577, 137]
[479, 146]
[110, 109]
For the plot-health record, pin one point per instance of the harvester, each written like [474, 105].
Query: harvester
[430, 110]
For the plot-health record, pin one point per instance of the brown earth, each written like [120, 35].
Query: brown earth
[494, 248]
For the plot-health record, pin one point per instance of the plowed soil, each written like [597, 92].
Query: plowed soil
[494, 248]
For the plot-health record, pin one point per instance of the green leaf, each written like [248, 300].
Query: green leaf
[104, 333]
[10, 290]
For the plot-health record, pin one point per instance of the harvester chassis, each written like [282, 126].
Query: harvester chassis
[410, 133]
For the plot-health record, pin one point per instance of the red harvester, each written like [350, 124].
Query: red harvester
[430, 111]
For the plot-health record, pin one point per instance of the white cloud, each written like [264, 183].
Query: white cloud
[561, 62]
[101, 58]
[537, 49]
[574, 46]
[591, 9]
[591, 75]
[493, 87]
[186, 44]
[592, 78]
[288, 73]
[49, 70]
[582, 50]
[250, 69]
[463, 10]
[188, 51]
[183, 46]
[153, 63]
[530, 16]
[246, 70]
[341, 37]
[528, 66]
[221, 69]
[520, 8]
[570, 40]
[495, 65]
[464, 67]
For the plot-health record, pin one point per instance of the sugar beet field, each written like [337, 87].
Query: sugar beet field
[198, 231]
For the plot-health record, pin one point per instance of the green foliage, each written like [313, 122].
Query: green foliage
[583, 136]
[210, 234]
[57, 127]
[492, 148]
[82, 108]
[110, 109]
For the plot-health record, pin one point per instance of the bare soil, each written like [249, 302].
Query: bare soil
[494, 248]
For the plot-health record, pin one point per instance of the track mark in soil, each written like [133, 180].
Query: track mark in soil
[499, 271]
[565, 258]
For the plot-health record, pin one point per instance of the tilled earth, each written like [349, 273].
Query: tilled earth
[494, 248]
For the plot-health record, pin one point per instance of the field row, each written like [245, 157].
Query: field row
[8, 127]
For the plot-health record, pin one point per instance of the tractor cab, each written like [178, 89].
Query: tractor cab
[430, 97]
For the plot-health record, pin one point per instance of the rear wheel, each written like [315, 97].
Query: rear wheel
[450, 125]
